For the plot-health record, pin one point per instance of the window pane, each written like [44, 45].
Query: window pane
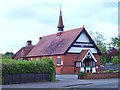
[77, 64]
[82, 64]
[58, 61]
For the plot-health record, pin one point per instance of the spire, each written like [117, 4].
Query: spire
[60, 22]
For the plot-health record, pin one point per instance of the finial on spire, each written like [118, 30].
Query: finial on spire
[60, 7]
[60, 10]
[83, 26]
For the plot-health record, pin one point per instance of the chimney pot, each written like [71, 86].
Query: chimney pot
[29, 43]
[40, 38]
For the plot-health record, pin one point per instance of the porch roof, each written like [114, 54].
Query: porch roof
[84, 53]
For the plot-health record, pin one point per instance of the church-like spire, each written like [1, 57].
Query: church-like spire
[60, 22]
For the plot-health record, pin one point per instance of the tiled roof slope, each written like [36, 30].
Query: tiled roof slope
[82, 55]
[25, 50]
[53, 44]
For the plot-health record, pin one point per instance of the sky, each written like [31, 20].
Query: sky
[22, 20]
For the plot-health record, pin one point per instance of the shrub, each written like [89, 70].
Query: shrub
[51, 68]
[109, 71]
[45, 65]
[116, 60]
[81, 75]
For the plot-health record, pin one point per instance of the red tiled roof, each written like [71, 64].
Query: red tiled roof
[53, 44]
[25, 51]
[82, 54]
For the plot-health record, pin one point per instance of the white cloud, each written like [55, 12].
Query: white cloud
[107, 29]
[21, 20]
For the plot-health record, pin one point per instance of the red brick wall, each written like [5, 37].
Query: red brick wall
[68, 60]
[97, 56]
[69, 63]
[101, 75]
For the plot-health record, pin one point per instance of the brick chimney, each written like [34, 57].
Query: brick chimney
[29, 43]
[40, 38]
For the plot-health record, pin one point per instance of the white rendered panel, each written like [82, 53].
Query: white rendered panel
[75, 50]
[79, 49]
[83, 38]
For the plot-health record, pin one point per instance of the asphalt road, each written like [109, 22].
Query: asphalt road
[69, 81]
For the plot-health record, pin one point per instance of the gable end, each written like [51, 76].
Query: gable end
[78, 44]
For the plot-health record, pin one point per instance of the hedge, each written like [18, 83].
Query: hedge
[45, 65]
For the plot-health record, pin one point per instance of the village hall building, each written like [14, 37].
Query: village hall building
[72, 50]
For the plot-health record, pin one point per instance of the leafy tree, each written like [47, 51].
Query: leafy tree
[99, 41]
[116, 60]
[116, 42]
[8, 54]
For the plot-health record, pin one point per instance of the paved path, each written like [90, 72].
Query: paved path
[69, 81]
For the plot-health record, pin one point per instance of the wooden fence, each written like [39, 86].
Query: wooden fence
[24, 78]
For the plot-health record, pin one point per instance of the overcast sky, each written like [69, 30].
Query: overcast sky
[22, 20]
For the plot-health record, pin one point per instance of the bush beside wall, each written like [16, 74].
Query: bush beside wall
[19, 67]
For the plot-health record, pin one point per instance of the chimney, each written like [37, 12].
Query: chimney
[58, 33]
[29, 43]
[40, 38]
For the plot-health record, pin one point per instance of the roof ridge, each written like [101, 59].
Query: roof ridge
[64, 31]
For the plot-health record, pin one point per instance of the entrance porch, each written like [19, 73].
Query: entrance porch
[86, 62]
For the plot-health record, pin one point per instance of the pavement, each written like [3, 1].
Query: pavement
[69, 81]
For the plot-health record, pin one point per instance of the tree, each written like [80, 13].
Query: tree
[116, 43]
[99, 41]
[8, 54]
[116, 60]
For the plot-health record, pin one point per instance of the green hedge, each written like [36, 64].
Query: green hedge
[45, 65]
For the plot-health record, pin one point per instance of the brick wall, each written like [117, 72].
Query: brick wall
[69, 63]
[102, 75]
[68, 60]
[97, 56]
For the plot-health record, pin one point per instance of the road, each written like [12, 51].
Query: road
[69, 81]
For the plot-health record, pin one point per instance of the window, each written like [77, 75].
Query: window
[77, 64]
[58, 61]
[92, 63]
[82, 64]
[37, 58]
[22, 52]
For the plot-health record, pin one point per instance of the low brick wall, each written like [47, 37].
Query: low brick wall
[24, 78]
[101, 75]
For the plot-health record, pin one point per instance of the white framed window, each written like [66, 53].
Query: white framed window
[58, 60]
[22, 52]
[92, 63]
[82, 64]
[37, 58]
[77, 64]
[31, 58]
